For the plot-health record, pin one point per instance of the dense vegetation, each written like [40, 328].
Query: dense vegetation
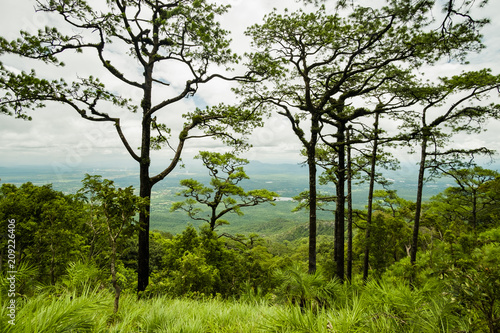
[328, 71]
[352, 83]
[202, 281]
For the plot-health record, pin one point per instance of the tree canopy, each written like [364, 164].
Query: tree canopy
[325, 71]
[352, 80]
[152, 38]
[224, 195]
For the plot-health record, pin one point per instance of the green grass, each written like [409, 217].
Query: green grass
[50, 313]
[375, 307]
[184, 315]
[93, 312]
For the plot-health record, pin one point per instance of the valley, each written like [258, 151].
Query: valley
[288, 180]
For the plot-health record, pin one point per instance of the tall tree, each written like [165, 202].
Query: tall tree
[151, 37]
[315, 66]
[349, 176]
[453, 104]
[371, 187]
[367, 144]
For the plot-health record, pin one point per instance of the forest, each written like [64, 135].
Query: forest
[77, 264]
[354, 84]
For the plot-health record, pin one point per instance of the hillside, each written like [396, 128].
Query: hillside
[288, 180]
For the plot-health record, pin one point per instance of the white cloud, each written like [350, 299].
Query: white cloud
[58, 134]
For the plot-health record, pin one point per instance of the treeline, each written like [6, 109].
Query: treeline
[93, 233]
[351, 81]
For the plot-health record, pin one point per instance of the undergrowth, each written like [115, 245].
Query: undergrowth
[374, 307]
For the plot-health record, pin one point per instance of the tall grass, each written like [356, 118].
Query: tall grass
[374, 307]
[93, 312]
[163, 314]
[51, 313]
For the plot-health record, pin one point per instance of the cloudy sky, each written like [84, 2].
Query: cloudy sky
[57, 136]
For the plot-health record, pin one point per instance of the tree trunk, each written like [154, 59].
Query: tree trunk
[213, 218]
[52, 265]
[311, 161]
[143, 251]
[52, 254]
[349, 207]
[146, 184]
[312, 217]
[418, 207]
[113, 276]
[339, 211]
[474, 209]
[373, 161]
[144, 192]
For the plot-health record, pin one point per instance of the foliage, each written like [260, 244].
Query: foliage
[327, 74]
[26, 280]
[453, 105]
[54, 230]
[50, 228]
[224, 194]
[390, 230]
[156, 35]
[475, 282]
[374, 307]
[116, 208]
[474, 201]
[304, 290]
[202, 263]
[68, 312]
[81, 276]
[295, 301]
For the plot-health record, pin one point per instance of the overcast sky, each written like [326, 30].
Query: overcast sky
[57, 136]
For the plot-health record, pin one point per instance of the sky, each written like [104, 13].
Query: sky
[59, 137]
